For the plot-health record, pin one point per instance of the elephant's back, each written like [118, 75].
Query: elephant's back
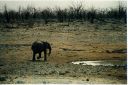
[37, 46]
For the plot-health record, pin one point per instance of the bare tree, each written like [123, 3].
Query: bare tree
[6, 14]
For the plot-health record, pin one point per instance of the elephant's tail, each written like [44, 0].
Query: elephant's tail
[48, 46]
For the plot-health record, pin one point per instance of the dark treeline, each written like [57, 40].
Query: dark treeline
[31, 14]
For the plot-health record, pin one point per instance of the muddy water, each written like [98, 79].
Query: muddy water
[103, 63]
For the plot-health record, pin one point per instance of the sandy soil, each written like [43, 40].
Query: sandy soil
[78, 41]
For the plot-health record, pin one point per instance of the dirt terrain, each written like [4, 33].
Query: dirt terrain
[78, 41]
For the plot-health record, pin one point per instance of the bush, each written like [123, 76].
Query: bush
[75, 12]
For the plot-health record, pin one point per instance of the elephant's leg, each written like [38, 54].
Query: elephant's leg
[33, 59]
[39, 56]
[45, 55]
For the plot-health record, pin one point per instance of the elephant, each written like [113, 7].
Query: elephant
[38, 47]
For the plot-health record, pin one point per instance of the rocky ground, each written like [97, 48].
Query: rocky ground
[77, 41]
[41, 72]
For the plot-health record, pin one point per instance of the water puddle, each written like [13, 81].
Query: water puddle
[103, 63]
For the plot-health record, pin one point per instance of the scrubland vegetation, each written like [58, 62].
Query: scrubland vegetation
[31, 15]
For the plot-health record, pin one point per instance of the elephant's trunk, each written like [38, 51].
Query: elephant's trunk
[49, 49]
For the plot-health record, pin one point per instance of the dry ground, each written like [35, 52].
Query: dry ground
[78, 41]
